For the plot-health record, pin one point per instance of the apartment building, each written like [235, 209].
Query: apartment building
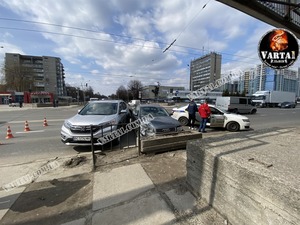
[205, 70]
[38, 74]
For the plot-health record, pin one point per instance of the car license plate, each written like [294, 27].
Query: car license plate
[81, 138]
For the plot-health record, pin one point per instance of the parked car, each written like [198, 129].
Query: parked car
[14, 104]
[162, 123]
[287, 105]
[218, 118]
[109, 115]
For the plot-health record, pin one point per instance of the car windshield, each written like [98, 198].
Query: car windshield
[100, 108]
[155, 111]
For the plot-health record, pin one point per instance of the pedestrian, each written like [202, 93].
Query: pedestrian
[204, 112]
[192, 109]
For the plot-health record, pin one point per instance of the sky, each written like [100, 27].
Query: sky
[107, 43]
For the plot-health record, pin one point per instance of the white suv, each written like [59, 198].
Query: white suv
[106, 116]
[218, 118]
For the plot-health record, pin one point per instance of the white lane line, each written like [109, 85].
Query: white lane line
[31, 131]
[38, 121]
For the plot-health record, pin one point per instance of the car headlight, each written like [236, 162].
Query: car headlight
[148, 129]
[67, 124]
[246, 120]
[108, 124]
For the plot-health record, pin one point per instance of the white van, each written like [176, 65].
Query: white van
[236, 104]
[94, 99]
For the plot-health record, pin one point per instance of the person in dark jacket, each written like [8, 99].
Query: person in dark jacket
[204, 112]
[192, 109]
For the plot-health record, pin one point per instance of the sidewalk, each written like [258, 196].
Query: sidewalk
[4, 108]
[124, 192]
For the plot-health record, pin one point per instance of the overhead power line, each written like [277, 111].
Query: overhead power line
[192, 20]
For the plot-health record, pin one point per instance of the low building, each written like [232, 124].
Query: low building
[148, 92]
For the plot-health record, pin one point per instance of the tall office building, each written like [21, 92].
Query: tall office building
[205, 70]
[267, 78]
[36, 73]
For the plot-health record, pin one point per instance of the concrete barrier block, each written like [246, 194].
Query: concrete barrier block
[245, 177]
[168, 142]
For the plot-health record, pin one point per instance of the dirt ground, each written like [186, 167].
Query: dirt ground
[58, 200]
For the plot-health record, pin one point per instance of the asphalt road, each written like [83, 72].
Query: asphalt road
[44, 142]
[40, 142]
[275, 117]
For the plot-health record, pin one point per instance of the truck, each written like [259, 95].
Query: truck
[236, 104]
[272, 98]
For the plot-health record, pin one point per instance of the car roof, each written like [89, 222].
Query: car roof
[108, 101]
[151, 105]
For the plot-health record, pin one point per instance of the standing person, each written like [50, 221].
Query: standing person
[204, 112]
[192, 109]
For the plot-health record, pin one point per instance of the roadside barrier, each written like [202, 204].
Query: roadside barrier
[45, 122]
[124, 129]
[26, 126]
[8, 133]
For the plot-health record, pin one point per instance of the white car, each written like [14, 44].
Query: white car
[218, 118]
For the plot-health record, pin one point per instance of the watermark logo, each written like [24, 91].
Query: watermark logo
[129, 127]
[28, 178]
[234, 75]
[278, 49]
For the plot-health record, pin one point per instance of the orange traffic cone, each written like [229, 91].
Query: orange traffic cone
[26, 126]
[45, 122]
[9, 134]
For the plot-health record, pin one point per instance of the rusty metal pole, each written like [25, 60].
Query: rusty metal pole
[139, 140]
[92, 148]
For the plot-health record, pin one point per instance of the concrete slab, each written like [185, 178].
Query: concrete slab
[183, 203]
[249, 177]
[119, 185]
[8, 198]
[147, 211]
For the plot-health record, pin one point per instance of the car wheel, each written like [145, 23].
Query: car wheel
[253, 111]
[233, 126]
[183, 121]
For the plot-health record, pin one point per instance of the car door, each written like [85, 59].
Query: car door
[217, 118]
[198, 118]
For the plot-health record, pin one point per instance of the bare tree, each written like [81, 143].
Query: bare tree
[89, 92]
[19, 78]
[134, 87]
[122, 93]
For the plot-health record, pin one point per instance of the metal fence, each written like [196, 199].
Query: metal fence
[127, 140]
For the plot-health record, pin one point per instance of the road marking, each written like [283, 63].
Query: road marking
[32, 131]
[38, 121]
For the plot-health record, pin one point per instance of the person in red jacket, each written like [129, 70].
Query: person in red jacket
[204, 112]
